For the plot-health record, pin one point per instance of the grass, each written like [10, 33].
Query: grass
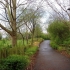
[60, 48]
[7, 50]
[5, 43]
[31, 51]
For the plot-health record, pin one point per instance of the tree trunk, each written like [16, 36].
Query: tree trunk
[14, 40]
[32, 39]
[10, 11]
[13, 24]
[23, 41]
[22, 38]
[33, 35]
[27, 38]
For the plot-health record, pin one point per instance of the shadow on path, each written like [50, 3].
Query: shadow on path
[48, 59]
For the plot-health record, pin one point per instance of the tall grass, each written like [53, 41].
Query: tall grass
[6, 48]
[5, 43]
[5, 52]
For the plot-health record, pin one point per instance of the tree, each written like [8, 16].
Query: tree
[38, 31]
[30, 19]
[0, 36]
[59, 31]
[10, 15]
[9, 7]
[60, 7]
[9, 18]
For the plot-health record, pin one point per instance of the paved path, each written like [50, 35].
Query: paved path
[48, 59]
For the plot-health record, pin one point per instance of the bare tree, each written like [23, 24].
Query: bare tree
[10, 14]
[30, 19]
[60, 7]
[9, 8]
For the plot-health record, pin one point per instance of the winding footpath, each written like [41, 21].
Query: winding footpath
[48, 59]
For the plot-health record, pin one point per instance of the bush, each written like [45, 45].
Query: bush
[54, 45]
[45, 36]
[67, 42]
[59, 31]
[60, 48]
[5, 52]
[2, 66]
[16, 62]
[31, 51]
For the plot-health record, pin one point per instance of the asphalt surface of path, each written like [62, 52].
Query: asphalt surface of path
[48, 59]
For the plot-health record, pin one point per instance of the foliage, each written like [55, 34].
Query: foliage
[38, 31]
[59, 31]
[5, 52]
[27, 34]
[25, 20]
[5, 43]
[6, 49]
[31, 51]
[57, 47]
[54, 45]
[67, 41]
[45, 36]
[60, 48]
[60, 35]
[16, 62]
[2, 67]
[12, 56]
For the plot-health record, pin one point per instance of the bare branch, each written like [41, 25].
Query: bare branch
[2, 3]
[3, 16]
[18, 2]
[8, 19]
[28, 27]
[4, 20]
[21, 5]
[55, 9]
[21, 12]
[62, 7]
[4, 28]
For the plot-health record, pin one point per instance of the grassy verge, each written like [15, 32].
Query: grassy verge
[18, 56]
[63, 49]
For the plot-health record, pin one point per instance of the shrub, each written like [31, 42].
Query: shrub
[16, 50]
[16, 62]
[68, 50]
[6, 51]
[60, 48]
[31, 51]
[45, 36]
[59, 31]
[2, 66]
[67, 42]
[54, 45]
